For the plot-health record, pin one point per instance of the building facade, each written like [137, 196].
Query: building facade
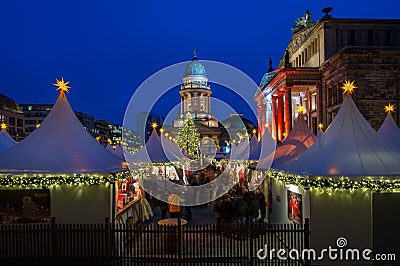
[195, 96]
[12, 115]
[318, 59]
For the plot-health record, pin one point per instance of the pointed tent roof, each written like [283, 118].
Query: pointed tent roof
[6, 141]
[154, 152]
[319, 133]
[296, 143]
[118, 151]
[239, 151]
[350, 147]
[172, 148]
[389, 131]
[59, 145]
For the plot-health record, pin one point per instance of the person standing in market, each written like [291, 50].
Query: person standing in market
[174, 205]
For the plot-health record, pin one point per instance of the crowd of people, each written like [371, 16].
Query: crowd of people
[240, 206]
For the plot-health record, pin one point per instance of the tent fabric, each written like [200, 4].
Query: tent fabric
[6, 141]
[59, 145]
[171, 147]
[390, 132]
[349, 147]
[295, 144]
[118, 151]
[154, 152]
[319, 133]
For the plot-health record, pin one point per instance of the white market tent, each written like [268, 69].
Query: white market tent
[6, 141]
[389, 131]
[349, 147]
[118, 151]
[155, 152]
[239, 151]
[319, 133]
[60, 145]
[171, 147]
[295, 144]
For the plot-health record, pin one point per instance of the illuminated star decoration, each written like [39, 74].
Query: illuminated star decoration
[254, 131]
[154, 125]
[3, 126]
[389, 108]
[62, 85]
[320, 126]
[301, 109]
[348, 87]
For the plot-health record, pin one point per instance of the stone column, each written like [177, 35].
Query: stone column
[274, 126]
[261, 108]
[281, 121]
[288, 110]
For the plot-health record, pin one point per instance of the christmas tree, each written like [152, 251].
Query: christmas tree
[189, 138]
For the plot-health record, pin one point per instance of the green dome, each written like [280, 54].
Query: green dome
[195, 68]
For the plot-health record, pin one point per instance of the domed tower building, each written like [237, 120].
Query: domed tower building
[195, 96]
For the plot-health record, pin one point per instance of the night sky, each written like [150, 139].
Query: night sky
[108, 48]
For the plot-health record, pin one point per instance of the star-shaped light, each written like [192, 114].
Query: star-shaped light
[154, 125]
[389, 108]
[320, 126]
[254, 131]
[62, 85]
[301, 109]
[348, 86]
[3, 126]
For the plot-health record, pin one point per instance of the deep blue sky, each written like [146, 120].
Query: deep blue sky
[107, 48]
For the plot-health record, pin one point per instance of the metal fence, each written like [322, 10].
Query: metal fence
[150, 244]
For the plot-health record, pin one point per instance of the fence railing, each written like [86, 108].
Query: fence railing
[150, 244]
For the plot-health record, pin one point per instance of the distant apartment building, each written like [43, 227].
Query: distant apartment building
[34, 114]
[115, 134]
[12, 115]
[101, 131]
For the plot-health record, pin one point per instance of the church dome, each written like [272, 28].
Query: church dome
[236, 121]
[195, 68]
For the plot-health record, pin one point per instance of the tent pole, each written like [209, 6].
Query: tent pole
[113, 199]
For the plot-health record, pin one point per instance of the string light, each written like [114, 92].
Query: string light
[344, 183]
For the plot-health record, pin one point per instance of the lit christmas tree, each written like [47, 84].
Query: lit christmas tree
[189, 138]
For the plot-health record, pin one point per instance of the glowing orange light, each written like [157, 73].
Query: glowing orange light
[154, 125]
[390, 108]
[109, 140]
[348, 87]
[62, 85]
[284, 134]
[98, 138]
[3, 126]
[301, 109]
[320, 126]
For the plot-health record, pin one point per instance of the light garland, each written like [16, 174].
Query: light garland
[47, 181]
[344, 183]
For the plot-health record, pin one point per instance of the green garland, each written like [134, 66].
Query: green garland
[46, 181]
[371, 183]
